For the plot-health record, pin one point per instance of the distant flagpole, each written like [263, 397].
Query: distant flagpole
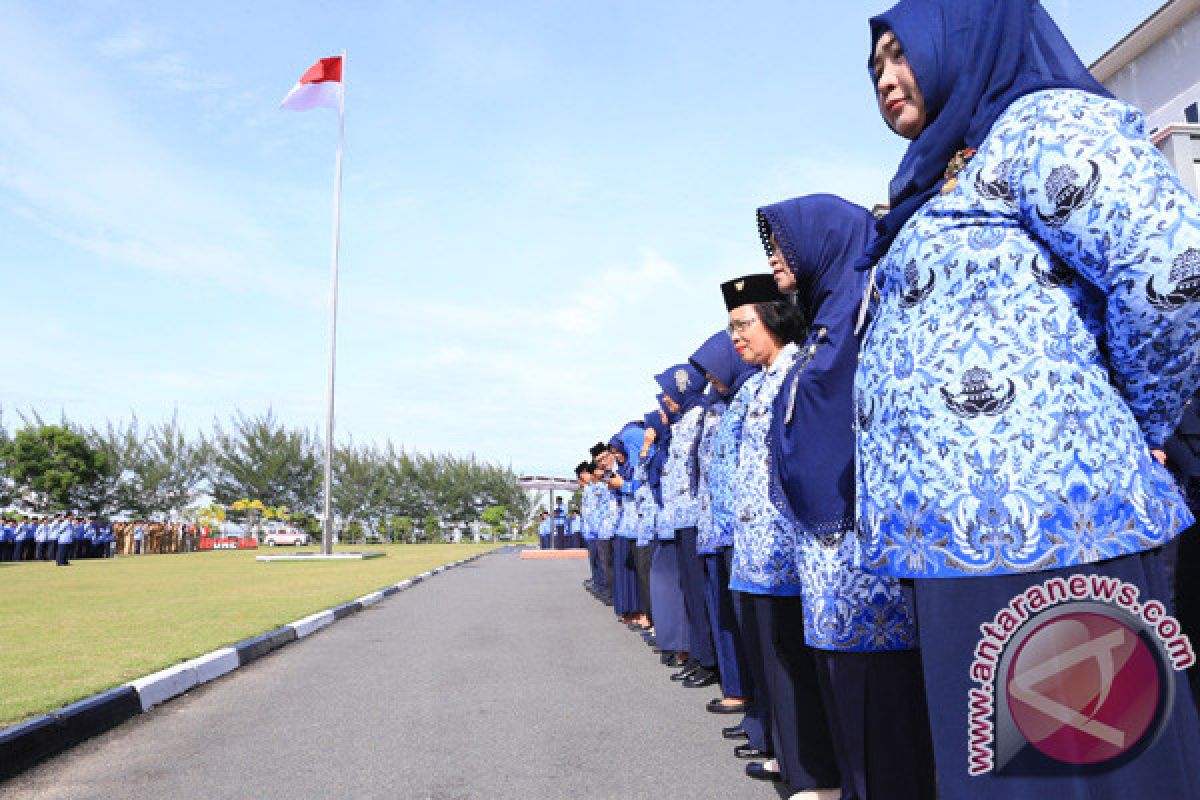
[327, 520]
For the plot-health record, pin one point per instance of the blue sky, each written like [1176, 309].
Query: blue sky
[540, 201]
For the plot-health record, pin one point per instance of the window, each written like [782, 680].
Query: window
[1192, 114]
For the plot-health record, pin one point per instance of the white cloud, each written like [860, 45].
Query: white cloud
[81, 161]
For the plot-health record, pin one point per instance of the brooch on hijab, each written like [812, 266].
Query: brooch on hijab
[956, 165]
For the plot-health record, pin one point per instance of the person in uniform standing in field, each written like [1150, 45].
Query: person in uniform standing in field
[39, 538]
[23, 542]
[66, 538]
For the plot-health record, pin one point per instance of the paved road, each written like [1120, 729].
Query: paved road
[500, 679]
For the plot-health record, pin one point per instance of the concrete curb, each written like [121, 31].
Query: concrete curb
[28, 743]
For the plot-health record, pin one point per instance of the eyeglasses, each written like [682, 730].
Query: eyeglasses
[739, 325]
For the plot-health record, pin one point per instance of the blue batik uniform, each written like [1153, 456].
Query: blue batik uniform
[812, 438]
[41, 533]
[24, 534]
[606, 513]
[764, 550]
[67, 533]
[1020, 441]
[859, 628]
[680, 478]
[704, 457]
[92, 532]
[587, 507]
[718, 358]
[626, 595]
[8, 535]
[722, 473]
[575, 531]
[559, 527]
[644, 499]
[1033, 336]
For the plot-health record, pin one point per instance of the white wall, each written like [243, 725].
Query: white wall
[1165, 79]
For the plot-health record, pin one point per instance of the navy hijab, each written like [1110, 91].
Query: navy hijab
[684, 384]
[812, 425]
[629, 441]
[972, 59]
[658, 453]
[718, 357]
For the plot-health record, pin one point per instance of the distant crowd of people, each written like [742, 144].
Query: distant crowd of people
[558, 530]
[63, 537]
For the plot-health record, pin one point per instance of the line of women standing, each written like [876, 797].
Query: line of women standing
[911, 421]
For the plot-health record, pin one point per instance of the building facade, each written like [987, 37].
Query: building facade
[1157, 68]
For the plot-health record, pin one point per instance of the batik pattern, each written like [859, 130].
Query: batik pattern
[722, 475]
[680, 506]
[764, 542]
[1035, 330]
[704, 460]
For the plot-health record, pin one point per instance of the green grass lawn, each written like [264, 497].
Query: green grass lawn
[68, 633]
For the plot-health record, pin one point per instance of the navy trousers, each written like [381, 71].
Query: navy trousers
[757, 722]
[643, 556]
[880, 724]
[800, 733]
[604, 554]
[625, 588]
[950, 612]
[1187, 594]
[700, 644]
[666, 597]
[727, 640]
[63, 552]
[593, 564]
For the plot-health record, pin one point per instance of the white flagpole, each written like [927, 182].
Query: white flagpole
[327, 521]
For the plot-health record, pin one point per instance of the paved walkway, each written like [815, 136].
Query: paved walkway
[499, 679]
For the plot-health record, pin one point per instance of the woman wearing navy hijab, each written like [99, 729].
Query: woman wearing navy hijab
[726, 371]
[861, 627]
[626, 447]
[666, 594]
[649, 475]
[1032, 341]
[684, 386]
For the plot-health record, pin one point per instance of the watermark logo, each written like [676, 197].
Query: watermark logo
[1074, 672]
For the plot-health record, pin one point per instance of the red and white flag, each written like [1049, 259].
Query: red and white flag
[319, 87]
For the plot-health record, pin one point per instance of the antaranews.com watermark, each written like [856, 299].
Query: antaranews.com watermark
[1078, 668]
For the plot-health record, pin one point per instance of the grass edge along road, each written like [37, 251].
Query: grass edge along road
[68, 633]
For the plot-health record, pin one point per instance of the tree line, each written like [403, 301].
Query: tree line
[127, 468]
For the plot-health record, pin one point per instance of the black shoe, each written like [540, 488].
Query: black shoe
[734, 732]
[701, 678]
[719, 707]
[675, 661]
[749, 751]
[759, 773]
[685, 673]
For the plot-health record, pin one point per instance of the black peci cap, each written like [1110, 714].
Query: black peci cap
[758, 288]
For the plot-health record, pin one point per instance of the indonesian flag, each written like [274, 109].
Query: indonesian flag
[319, 87]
